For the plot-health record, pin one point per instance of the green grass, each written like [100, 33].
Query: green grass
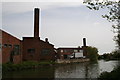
[25, 65]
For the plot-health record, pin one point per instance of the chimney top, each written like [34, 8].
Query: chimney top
[36, 8]
[84, 41]
[36, 22]
[46, 39]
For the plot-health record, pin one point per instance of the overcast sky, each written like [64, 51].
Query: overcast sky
[65, 24]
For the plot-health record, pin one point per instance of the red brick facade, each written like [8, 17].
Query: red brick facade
[31, 48]
[36, 50]
[11, 48]
[65, 53]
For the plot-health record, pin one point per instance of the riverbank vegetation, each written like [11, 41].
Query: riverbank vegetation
[115, 55]
[25, 65]
[113, 75]
[92, 53]
[112, 16]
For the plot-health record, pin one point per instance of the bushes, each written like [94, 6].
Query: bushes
[24, 65]
[110, 56]
[14, 67]
[92, 53]
[115, 74]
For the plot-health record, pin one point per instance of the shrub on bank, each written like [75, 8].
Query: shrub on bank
[113, 75]
[25, 65]
[92, 54]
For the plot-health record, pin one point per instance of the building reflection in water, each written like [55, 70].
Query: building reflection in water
[77, 70]
[42, 72]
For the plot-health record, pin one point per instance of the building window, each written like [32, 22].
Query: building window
[65, 50]
[61, 51]
[81, 51]
[61, 55]
[9, 45]
[16, 46]
[0, 46]
[75, 50]
[45, 52]
[5, 45]
[31, 50]
[16, 49]
[65, 56]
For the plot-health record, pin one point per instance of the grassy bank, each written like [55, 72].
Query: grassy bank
[25, 65]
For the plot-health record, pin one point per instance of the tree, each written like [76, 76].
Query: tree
[92, 53]
[116, 54]
[113, 14]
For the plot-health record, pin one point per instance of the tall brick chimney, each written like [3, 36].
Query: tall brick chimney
[36, 22]
[46, 40]
[84, 41]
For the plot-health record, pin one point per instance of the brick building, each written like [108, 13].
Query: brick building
[34, 48]
[28, 49]
[68, 53]
[10, 48]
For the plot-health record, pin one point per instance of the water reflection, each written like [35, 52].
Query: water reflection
[107, 65]
[92, 70]
[42, 72]
[81, 70]
[75, 70]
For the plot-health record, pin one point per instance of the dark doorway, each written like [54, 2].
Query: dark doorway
[65, 56]
[11, 56]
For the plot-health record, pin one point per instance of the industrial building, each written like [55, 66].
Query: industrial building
[15, 50]
[35, 49]
[29, 49]
[10, 48]
[73, 53]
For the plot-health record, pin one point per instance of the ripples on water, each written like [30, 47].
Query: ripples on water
[75, 70]
[107, 65]
[84, 70]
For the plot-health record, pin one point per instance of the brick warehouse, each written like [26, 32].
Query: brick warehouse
[68, 53]
[30, 48]
[11, 48]
[34, 48]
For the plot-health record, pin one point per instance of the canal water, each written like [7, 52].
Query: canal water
[75, 70]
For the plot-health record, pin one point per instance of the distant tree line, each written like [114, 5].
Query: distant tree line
[110, 56]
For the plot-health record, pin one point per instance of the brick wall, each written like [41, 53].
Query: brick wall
[8, 44]
[37, 45]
